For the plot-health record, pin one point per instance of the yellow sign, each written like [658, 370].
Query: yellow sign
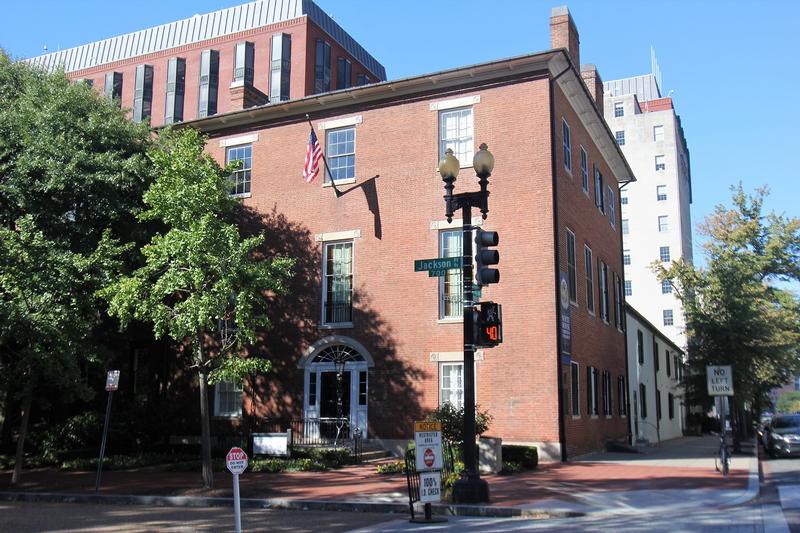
[420, 427]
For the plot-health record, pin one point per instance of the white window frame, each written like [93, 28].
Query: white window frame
[333, 159]
[625, 226]
[658, 132]
[623, 196]
[626, 257]
[572, 267]
[591, 390]
[227, 388]
[442, 374]
[243, 175]
[566, 137]
[457, 312]
[666, 287]
[584, 171]
[619, 136]
[663, 254]
[628, 287]
[602, 274]
[325, 281]
[463, 143]
[669, 317]
[588, 260]
[661, 163]
[661, 193]
[663, 223]
[612, 210]
[619, 109]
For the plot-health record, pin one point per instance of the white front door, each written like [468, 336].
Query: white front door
[321, 395]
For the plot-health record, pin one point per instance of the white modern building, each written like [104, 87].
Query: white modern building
[655, 375]
[656, 219]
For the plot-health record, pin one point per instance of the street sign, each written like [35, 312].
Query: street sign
[112, 380]
[428, 440]
[720, 380]
[236, 461]
[430, 487]
[437, 263]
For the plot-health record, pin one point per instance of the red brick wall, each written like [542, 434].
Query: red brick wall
[397, 309]
[594, 342]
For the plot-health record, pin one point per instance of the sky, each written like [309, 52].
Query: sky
[728, 64]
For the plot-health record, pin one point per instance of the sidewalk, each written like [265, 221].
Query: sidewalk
[680, 474]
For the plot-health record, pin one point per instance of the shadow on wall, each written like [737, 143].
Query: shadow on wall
[394, 399]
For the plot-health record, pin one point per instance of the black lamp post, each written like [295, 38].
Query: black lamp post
[339, 364]
[470, 488]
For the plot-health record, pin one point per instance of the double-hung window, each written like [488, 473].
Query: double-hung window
[623, 196]
[228, 399]
[667, 360]
[599, 197]
[572, 275]
[663, 223]
[602, 274]
[663, 254]
[451, 287]
[340, 149]
[612, 212]
[640, 346]
[591, 390]
[656, 360]
[628, 288]
[456, 132]
[623, 405]
[658, 133]
[660, 163]
[618, 300]
[643, 399]
[658, 404]
[666, 287]
[620, 136]
[209, 83]
[589, 268]
[344, 73]
[626, 257]
[280, 67]
[244, 63]
[619, 109]
[607, 400]
[241, 177]
[451, 384]
[661, 193]
[176, 85]
[143, 93]
[567, 140]
[322, 66]
[337, 290]
[575, 389]
[668, 318]
[113, 86]
[584, 170]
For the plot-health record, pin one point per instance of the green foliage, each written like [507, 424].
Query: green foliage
[452, 420]
[735, 313]
[526, 457]
[236, 369]
[79, 431]
[789, 402]
[394, 467]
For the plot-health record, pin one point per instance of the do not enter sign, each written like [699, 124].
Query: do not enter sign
[428, 439]
[429, 457]
[236, 461]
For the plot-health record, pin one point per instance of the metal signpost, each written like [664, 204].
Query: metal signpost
[236, 461]
[720, 383]
[112, 384]
[429, 463]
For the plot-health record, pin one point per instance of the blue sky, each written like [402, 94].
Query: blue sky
[730, 64]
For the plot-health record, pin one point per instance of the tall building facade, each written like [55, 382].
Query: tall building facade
[656, 218]
[559, 378]
[234, 58]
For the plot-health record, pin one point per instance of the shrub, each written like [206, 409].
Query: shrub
[77, 432]
[452, 420]
[395, 467]
[526, 457]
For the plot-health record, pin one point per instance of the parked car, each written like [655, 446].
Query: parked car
[783, 436]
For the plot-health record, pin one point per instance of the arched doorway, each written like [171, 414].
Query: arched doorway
[336, 383]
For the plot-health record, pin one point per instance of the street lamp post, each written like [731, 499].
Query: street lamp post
[470, 488]
[339, 363]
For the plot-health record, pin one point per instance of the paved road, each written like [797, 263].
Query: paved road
[18, 517]
[781, 489]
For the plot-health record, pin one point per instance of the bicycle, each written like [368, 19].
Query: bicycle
[724, 456]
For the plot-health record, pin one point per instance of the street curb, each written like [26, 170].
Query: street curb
[280, 503]
[753, 483]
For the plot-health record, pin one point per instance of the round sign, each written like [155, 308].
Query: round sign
[429, 457]
[236, 460]
[564, 294]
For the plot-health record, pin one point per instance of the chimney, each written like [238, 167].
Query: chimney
[564, 34]
[244, 95]
[595, 85]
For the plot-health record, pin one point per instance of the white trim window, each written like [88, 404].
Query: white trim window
[628, 287]
[663, 224]
[618, 318]
[456, 132]
[599, 195]
[241, 177]
[621, 403]
[661, 163]
[575, 389]
[589, 268]
[658, 133]
[451, 384]
[619, 109]
[663, 254]
[591, 391]
[668, 318]
[451, 286]
[661, 193]
[623, 196]
[607, 400]
[340, 150]
[572, 271]
[612, 211]
[567, 140]
[620, 137]
[337, 283]
[666, 287]
[626, 257]
[602, 273]
[584, 171]
[228, 399]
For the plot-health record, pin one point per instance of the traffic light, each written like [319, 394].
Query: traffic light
[489, 325]
[485, 256]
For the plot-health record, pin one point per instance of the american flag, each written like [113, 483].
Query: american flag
[313, 155]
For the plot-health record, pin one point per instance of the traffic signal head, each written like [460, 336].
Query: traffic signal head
[489, 325]
[485, 256]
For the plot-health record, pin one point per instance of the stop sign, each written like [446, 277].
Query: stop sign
[429, 458]
[236, 460]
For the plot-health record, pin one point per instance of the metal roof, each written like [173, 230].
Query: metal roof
[200, 28]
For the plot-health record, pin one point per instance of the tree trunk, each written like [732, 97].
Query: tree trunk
[205, 425]
[23, 432]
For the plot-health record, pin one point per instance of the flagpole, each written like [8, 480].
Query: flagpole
[325, 161]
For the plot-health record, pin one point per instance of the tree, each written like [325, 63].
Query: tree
[72, 172]
[789, 402]
[735, 313]
[200, 280]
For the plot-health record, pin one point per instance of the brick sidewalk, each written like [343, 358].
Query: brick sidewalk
[362, 483]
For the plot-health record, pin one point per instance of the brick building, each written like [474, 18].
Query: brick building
[356, 297]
